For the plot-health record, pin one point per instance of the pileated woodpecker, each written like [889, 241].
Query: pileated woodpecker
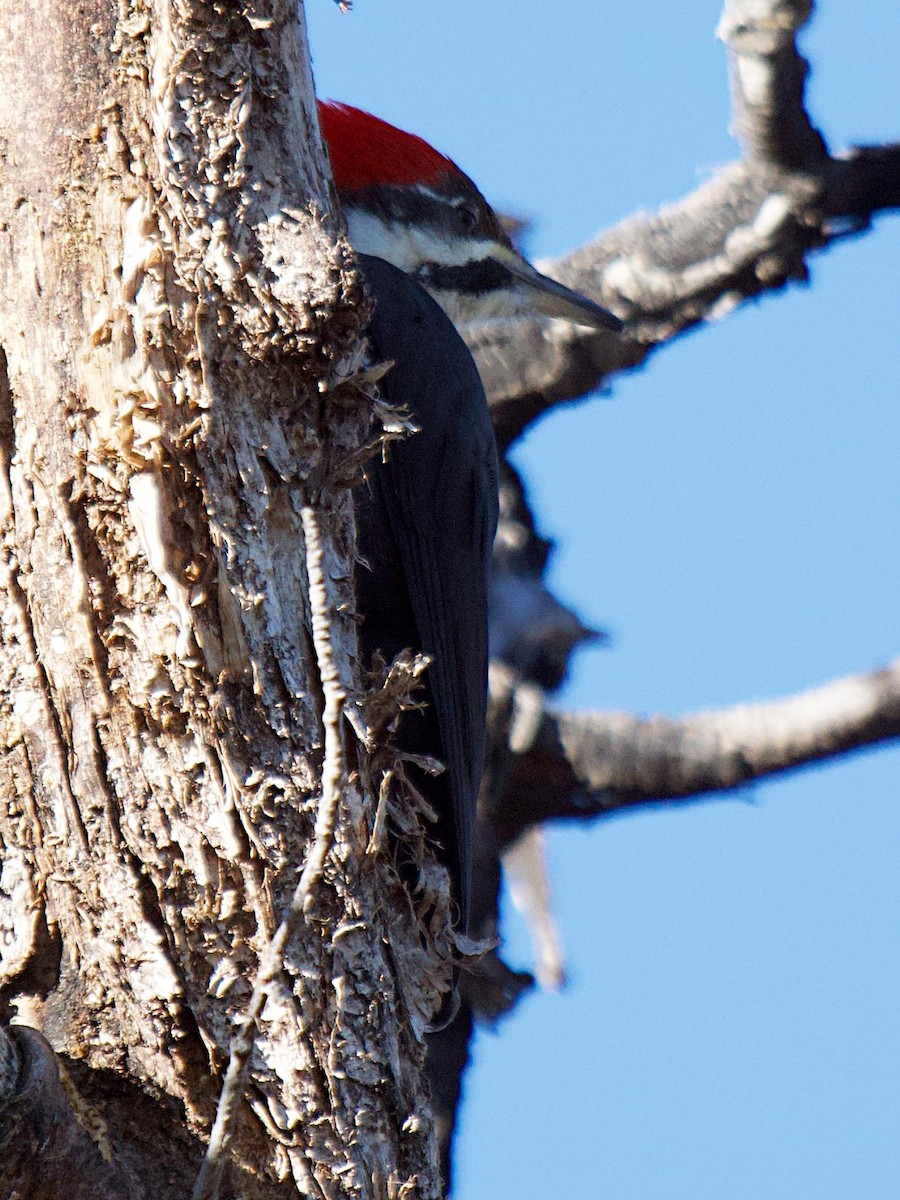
[427, 515]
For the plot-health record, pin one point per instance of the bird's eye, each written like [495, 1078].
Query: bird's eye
[468, 217]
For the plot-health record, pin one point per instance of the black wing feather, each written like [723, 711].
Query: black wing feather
[427, 524]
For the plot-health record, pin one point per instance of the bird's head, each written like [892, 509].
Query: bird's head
[409, 204]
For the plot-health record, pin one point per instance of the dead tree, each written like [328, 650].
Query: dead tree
[187, 825]
[748, 231]
[189, 820]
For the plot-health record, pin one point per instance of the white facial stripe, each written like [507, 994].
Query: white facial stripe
[454, 253]
[438, 198]
[370, 235]
[408, 248]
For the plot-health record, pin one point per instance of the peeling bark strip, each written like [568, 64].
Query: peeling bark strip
[334, 780]
[182, 393]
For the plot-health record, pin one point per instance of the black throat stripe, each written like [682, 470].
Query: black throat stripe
[475, 277]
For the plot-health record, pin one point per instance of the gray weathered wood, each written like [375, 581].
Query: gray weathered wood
[180, 329]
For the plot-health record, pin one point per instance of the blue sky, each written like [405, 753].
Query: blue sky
[732, 514]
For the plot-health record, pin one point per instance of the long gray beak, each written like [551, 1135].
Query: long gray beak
[554, 300]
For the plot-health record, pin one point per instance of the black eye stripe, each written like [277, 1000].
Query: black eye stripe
[477, 276]
[408, 206]
[419, 207]
[468, 216]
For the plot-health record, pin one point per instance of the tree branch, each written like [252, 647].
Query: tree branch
[590, 764]
[747, 231]
[768, 78]
[46, 1151]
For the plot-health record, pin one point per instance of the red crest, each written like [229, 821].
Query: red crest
[368, 152]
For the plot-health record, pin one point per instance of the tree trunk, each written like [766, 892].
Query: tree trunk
[180, 393]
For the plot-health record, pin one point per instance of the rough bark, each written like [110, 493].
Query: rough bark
[180, 404]
[578, 765]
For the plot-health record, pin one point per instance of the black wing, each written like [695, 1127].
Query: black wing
[426, 525]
